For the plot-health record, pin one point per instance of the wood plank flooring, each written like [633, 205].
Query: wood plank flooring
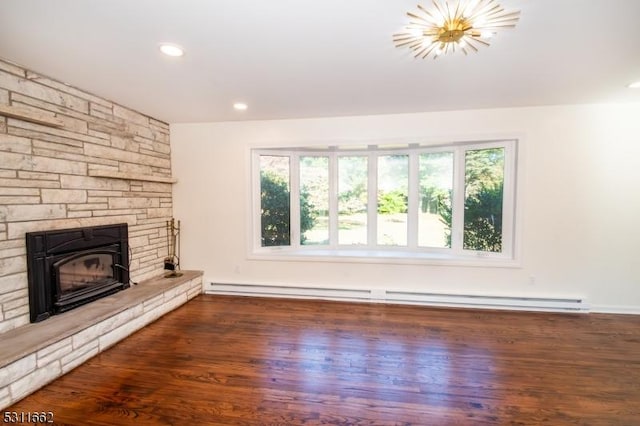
[250, 361]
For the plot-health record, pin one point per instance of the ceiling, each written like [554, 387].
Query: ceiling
[318, 58]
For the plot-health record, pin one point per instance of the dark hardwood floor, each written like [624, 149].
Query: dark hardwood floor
[250, 361]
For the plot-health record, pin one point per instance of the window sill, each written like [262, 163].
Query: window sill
[397, 257]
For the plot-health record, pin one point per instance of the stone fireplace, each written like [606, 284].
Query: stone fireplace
[70, 267]
[75, 161]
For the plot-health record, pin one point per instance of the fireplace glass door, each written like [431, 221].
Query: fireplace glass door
[85, 271]
[84, 275]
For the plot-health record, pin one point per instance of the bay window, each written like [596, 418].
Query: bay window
[418, 202]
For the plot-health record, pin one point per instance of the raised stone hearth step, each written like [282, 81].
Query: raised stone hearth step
[35, 354]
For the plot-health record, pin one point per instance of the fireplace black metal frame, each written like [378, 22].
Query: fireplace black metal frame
[46, 250]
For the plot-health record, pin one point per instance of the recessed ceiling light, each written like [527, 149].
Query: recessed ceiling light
[240, 106]
[634, 85]
[171, 49]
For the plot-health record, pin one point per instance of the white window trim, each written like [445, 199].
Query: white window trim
[412, 253]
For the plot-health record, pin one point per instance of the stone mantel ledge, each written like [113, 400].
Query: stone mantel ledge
[31, 338]
[131, 176]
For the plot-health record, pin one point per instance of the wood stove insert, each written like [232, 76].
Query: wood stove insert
[70, 267]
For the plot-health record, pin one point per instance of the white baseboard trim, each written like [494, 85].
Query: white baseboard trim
[412, 297]
[616, 309]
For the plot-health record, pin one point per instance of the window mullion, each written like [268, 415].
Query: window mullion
[256, 201]
[294, 215]
[457, 204]
[372, 200]
[414, 195]
[508, 202]
[333, 200]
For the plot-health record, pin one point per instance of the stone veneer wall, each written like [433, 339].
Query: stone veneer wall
[48, 177]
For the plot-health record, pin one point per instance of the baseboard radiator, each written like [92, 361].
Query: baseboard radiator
[576, 305]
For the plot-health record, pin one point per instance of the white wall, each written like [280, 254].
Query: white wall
[579, 201]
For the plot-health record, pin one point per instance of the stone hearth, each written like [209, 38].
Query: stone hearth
[36, 354]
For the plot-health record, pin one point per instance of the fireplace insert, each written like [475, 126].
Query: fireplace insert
[70, 267]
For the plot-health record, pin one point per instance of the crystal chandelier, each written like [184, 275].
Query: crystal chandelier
[453, 26]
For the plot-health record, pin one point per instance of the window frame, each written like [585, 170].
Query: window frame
[373, 252]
